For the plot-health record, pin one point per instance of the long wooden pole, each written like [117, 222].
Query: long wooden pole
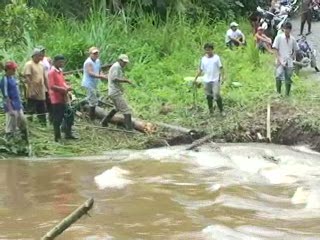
[69, 220]
[269, 122]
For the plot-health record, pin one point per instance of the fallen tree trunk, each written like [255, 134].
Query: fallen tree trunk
[139, 125]
[177, 128]
[199, 142]
[69, 220]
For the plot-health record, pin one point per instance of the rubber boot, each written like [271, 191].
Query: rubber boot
[25, 135]
[220, 105]
[128, 122]
[57, 132]
[108, 118]
[278, 86]
[68, 133]
[288, 88]
[210, 104]
[92, 113]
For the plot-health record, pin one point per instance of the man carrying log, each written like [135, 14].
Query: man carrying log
[115, 92]
[211, 66]
[91, 78]
[58, 91]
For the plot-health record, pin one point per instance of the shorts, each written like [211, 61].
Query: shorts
[92, 97]
[212, 89]
[284, 74]
[121, 104]
[17, 120]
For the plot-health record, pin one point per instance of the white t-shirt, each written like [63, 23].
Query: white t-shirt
[286, 48]
[211, 67]
[233, 34]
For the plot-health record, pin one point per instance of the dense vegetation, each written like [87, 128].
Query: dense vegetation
[161, 56]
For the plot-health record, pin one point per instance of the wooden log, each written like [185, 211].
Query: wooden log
[269, 122]
[177, 128]
[69, 220]
[199, 142]
[139, 125]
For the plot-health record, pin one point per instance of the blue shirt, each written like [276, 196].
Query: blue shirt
[89, 81]
[9, 89]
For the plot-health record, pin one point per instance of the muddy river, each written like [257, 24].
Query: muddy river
[222, 192]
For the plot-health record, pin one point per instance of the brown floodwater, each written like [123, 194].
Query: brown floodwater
[231, 192]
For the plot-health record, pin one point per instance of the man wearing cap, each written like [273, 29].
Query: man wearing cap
[37, 84]
[91, 78]
[286, 48]
[46, 62]
[115, 92]
[234, 36]
[58, 91]
[12, 102]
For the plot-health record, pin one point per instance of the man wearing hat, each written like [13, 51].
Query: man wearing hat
[91, 78]
[115, 92]
[58, 91]
[37, 84]
[46, 62]
[234, 36]
[12, 102]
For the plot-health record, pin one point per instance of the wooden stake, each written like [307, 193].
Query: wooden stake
[269, 122]
[69, 220]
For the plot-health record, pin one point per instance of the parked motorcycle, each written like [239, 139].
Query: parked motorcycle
[315, 10]
[306, 56]
[271, 22]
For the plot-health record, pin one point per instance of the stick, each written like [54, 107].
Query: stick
[268, 122]
[106, 128]
[69, 220]
[200, 142]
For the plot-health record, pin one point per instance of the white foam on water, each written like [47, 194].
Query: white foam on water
[276, 175]
[300, 196]
[313, 200]
[113, 178]
[218, 232]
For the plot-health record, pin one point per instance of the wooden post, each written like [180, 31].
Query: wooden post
[69, 220]
[269, 122]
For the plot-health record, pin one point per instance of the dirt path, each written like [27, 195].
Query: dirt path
[313, 39]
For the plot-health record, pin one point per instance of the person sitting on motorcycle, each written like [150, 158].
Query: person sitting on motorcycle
[263, 42]
[234, 36]
[305, 52]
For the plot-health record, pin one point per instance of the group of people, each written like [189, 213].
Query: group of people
[284, 47]
[47, 92]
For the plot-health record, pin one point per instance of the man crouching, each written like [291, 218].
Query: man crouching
[115, 92]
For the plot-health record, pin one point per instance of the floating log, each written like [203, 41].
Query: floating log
[199, 142]
[177, 128]
[69, 220]
[139, 125]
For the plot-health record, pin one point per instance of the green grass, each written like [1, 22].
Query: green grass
[160, 59]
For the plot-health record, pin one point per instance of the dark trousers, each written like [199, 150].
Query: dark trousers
[306, 17]
[38, 107]
[58, 111]
[49, 108]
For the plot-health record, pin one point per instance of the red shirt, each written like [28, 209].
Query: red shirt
[56, 78]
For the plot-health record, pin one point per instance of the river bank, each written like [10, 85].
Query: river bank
[248, 89]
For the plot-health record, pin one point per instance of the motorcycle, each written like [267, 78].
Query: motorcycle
[315, 10]
[305, 56]
[271, 22]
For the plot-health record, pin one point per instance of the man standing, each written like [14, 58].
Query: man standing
[286, 48]
[46, 62]
[234, 36]
[12, 102]
[37, 84]
[91, 78]
[306, 15]
[211, 66]
[115, 92]
[58, 91]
